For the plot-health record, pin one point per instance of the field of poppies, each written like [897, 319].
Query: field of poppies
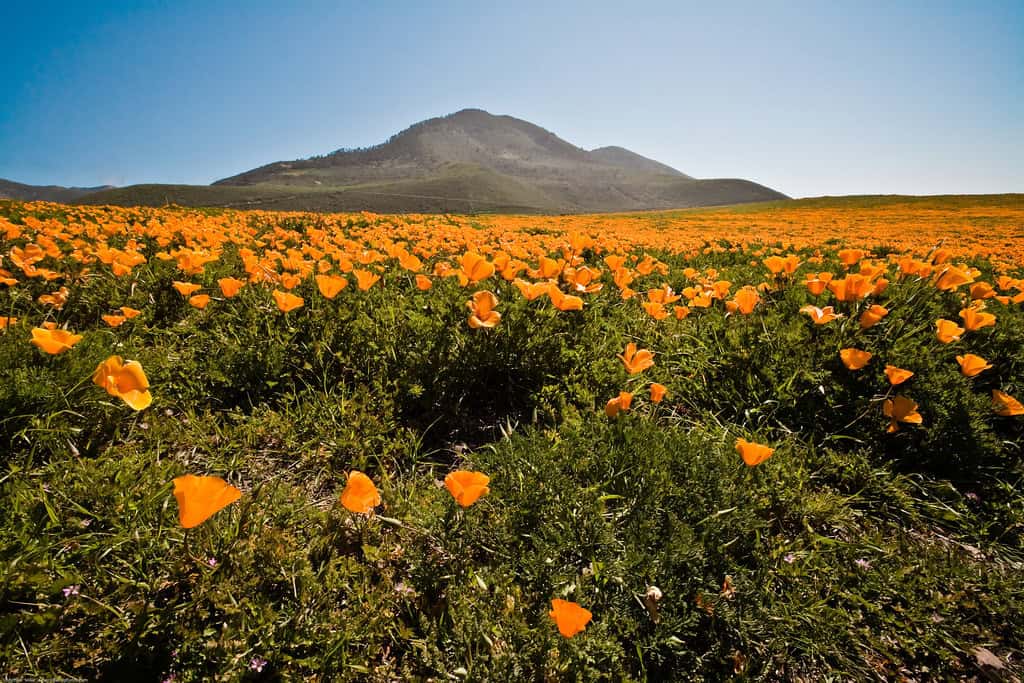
[778, 442]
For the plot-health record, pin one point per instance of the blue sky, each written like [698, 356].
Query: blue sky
[808, 98]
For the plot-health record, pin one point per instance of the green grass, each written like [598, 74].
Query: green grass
[851, 553]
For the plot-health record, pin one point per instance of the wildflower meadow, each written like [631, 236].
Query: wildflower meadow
[776, 441]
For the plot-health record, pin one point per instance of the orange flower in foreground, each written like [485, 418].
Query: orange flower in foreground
[199, 301]
[286, 301]
[186, 288]
[658, 392]
[854, 359]
[563, 301]
[531, 290]
[745, 300]
[230, 286]
[975, 319]
[634, 360]
[423, 283]
[467, 487]
[849, 257]
[947, 331]
[199, 498]
[330, 285]
[1006, 405]
[753, 453]
[124, 380]
[897, 375]
[971, 365]
[56, 299]
[113, 320]
[820, 316]
[129, 312]
[54, 341]
[870, 317]
[474, 268]
[365, 279]
[619, 404]
[569, 617]
[482, 310]
[360, 495]
[816, 283]
[900, 409]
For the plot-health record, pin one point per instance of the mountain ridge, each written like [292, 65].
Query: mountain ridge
[468, 161]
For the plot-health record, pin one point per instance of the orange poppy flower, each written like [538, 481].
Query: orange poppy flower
[636, 361]
[820, 316]
[409, 261]
[680, 312]
[199, 300]
[56, 299]
[127, 381]
[872, 316]
[286, 301]
[54, 341]
[947, 331]
[655, 310]
[330, 285]
[230, 286]
[897, 375]
[816, 284]
[753, 454]
[423, 283]
[975, 319]
[854, 359]
[474, 268]
[658, 392]
[5, 321]
[569, 617]
[900, 409]
[951, 278]
[482, 310]
[619, 404]
[746, 299]
[849, 257]
[775, 264]
[665, 295]
[129, 312]
[1006, 405]
[186, 288]
[563, 301]
[365, 279]
[113, 320]
[531, 290]
[360, 495]
[467, 487]
[982, 290]
[971, 365]
[200, 497]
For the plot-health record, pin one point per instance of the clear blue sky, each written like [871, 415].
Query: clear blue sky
[809, 98]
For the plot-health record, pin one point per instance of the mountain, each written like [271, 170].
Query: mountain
[468, 161]
[45, 193]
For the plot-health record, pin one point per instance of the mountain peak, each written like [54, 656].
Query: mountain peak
[473, 158]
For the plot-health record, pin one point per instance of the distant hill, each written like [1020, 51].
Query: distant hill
[44, 193]
[469, 161]
[475, 159]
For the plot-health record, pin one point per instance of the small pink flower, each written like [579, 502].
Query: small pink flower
[257, 663]
[212, 561]
[789, 558]
[862, 563]
[70, 590]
